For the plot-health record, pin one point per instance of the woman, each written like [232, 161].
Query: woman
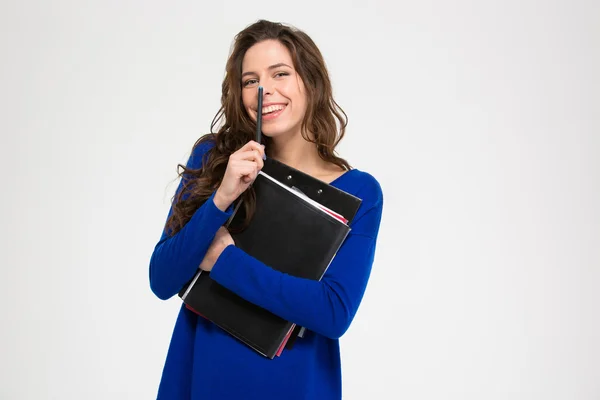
[299, 128]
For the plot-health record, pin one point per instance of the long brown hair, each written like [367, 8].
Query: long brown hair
[237, 129]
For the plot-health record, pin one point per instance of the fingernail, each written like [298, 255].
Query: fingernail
[264, 156]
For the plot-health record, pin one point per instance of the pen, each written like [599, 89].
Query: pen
[259, 115]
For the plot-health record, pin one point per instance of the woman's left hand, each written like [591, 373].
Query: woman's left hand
[221, 240]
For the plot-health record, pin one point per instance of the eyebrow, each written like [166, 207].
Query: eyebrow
[278, 65]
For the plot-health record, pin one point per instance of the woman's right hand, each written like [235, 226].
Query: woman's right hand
[242, 169]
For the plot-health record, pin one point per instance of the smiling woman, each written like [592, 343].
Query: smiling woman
[269, 63]
[301, 125]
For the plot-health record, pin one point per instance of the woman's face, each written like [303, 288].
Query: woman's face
[269, 64]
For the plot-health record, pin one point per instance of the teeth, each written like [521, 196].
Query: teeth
[270, 109]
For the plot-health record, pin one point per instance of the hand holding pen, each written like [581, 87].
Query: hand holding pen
[243, 166]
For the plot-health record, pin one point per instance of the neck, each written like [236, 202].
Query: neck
[296, 152]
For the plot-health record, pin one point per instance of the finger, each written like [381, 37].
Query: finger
[247, 155]
[250, 145]
[259, 160]
[253, 175]
[255, 156]
[244, 167]
[249, 175]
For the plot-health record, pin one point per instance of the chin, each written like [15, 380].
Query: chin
[276, 132]
[273, 134]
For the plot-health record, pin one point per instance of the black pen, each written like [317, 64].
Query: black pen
[259, 115]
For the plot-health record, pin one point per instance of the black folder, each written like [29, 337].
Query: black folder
[288, 232]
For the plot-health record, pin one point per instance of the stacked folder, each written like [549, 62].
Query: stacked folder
[298, 226]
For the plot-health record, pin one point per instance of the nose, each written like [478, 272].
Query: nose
[268, 86]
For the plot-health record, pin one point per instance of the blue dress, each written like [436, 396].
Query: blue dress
[204, 362]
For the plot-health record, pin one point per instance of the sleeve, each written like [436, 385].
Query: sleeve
[176, 259]
[327, 306]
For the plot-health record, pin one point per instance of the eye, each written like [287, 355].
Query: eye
[250, 82]
[281, 74]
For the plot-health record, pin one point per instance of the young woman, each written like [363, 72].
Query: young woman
[299, 128]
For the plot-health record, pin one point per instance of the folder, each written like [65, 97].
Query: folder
[298, 226]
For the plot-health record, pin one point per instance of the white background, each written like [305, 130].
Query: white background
[481, 120]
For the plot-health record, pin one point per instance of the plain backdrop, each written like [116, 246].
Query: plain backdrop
[480, 119]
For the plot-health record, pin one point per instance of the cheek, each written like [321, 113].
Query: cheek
[300, 97]
[300, 103]
[292, 92]
[246, 99]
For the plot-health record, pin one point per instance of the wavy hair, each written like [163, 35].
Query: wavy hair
[324, 119]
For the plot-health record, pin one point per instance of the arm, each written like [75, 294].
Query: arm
[327, 306]
[175, 259]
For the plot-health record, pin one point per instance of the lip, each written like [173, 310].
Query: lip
[274, 104]
[273, 115]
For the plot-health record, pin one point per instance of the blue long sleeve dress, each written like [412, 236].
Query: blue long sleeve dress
[204, 362]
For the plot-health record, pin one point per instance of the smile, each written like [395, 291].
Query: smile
[270, 109]
[272, 112]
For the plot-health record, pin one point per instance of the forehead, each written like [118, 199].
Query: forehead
[266, 53]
